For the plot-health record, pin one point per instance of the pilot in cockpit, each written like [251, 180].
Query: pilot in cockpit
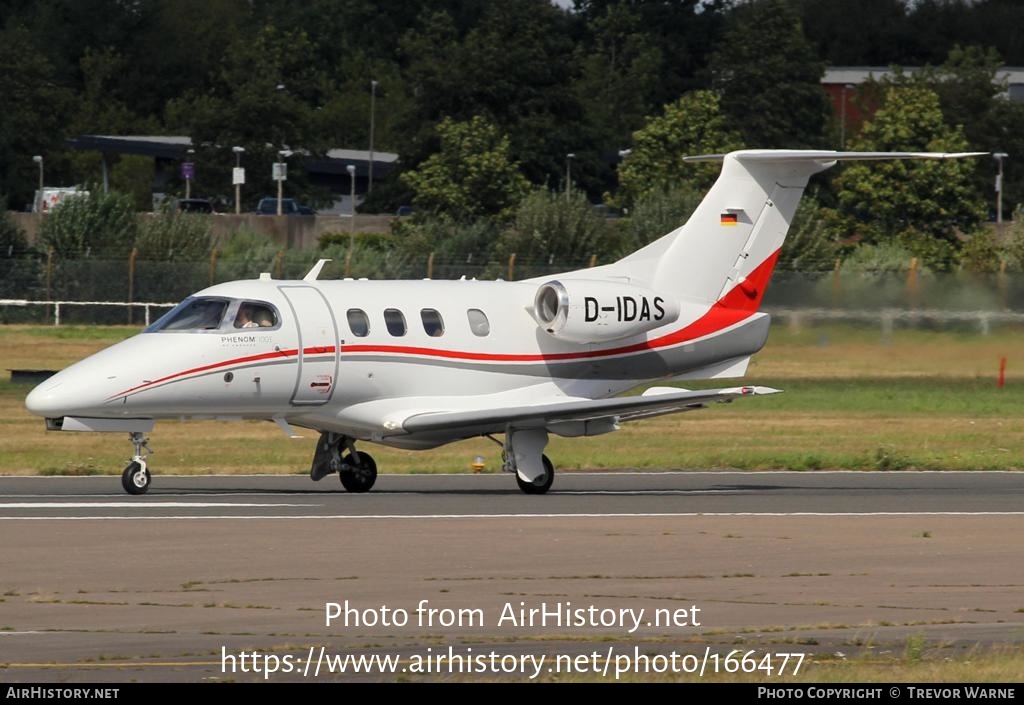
[244, 319]
[254, 316]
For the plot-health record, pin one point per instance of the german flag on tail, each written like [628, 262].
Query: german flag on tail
[728, 219]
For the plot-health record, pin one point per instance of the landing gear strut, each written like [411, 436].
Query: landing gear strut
[136, 478]
[523, 454]
[357, 470]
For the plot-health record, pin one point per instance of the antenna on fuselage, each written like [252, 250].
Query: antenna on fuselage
[312, 274]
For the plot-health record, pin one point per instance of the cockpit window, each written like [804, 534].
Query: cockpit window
[208, 314]
[193, 314]
[255, 315]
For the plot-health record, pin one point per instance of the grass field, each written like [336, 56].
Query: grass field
[853, 399]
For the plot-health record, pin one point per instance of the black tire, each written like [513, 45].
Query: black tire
[134, 479]
[543, 484]
[358, 475]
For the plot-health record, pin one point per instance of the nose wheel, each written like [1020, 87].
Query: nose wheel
[135, 478]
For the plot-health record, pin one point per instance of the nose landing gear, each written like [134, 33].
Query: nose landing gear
[136, 478]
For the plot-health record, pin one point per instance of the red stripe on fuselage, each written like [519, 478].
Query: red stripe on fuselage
[214, 366]
[741, 302]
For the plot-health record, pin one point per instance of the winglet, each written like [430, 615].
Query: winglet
[313, 273]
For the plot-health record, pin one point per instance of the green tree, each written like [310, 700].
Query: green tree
[170, 235]
[657, 212]
[982, 253]
[694, 124]
[133, 175]
[770, 78]
[511, 64]
[32, 119]
[974, 94]
[555, 228]
[881, 34]
[921, 203]
[619, 73]
[263, 97]
[13, 241]
[684, 33]
[809, 247]
[473, 174]
[19, 269]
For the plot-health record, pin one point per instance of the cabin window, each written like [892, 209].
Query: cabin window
[395, 322]
[193, 314]
[478, 322]
[433, 324]
[358, 322]
[252, 314]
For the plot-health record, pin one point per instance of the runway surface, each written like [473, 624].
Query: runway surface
[96, 585]
[574, 494]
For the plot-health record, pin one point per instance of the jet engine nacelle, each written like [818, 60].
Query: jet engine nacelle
[584, 311]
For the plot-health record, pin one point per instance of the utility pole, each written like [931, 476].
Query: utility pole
[373, 98]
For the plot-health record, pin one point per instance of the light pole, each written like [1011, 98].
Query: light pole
[238, 178]
[281, 173]
[999, 157]
[351, 169]
[568, 173]
[842, 115]
[373, 99]
[189, 172]
[38, 159]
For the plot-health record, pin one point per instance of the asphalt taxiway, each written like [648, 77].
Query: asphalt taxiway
[96, 585]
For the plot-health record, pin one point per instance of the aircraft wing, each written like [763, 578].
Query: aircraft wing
[653, 402]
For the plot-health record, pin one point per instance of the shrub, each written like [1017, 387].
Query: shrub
[174, 236]
[99, 224]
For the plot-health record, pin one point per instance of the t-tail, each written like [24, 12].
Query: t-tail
[726, 252]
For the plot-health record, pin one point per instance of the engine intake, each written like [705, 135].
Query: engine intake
[583, 311]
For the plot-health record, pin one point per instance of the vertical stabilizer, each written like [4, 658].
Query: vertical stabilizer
[727, 250]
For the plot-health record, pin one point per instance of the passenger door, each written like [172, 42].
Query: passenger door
[318, 345]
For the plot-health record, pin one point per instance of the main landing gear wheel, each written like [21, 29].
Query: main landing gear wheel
[543, 484]
[136, 478]
[358, 472]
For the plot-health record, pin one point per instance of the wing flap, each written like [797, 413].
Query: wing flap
[574, 409]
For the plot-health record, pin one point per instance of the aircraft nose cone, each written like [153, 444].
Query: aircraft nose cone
[46, 400]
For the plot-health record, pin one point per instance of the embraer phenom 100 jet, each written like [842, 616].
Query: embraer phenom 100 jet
[416, 364]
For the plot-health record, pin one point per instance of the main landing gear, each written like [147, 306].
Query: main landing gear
[136, 478]
[522, 453]
[357, 470]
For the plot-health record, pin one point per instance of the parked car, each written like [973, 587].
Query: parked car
[289, 206]
[195, 205]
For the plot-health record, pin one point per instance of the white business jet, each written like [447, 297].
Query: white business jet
[416, 364]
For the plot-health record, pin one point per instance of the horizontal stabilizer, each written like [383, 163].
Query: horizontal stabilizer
[824, 155]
